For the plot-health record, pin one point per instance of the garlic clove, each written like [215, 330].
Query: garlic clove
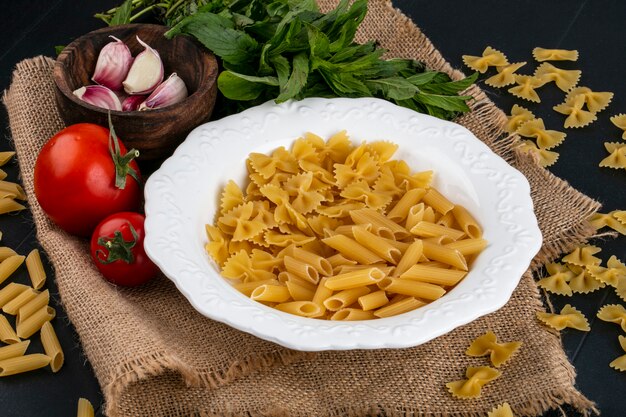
[99, 96]
[167, 93]
[131, 103]
[114, 62]
[146, 72]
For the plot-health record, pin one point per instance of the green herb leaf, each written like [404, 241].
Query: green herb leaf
[122, 15]
[396, 88]
[58, 49]
[297, 80]
[243, 87]
[218, 34]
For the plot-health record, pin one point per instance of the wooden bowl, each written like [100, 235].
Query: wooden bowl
[155, 133]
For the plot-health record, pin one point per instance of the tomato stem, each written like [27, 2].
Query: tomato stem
[118, 249]
[121, 162]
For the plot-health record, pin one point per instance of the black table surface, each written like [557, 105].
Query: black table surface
[595, 28]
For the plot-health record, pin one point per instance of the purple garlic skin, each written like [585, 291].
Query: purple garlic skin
[114, 62]
[131, 103]
[146, 72]
[99, 96]
[170, 91]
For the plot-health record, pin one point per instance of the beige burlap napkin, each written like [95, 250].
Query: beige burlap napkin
[154, 355]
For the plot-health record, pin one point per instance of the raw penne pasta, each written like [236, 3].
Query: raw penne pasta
[412, 288]
[344, 298]
[377, 244]
[437, 201]
[427, 229]
[13, 188]
[6, 157]
[13, 306]
[354, 279]
[35, 269]
[447, 220]
[302, 269]
[399, 307]
[411, 256]
[32, 324]
[468, 246]
[373, 300]
[443, 254]
[270, 293]
[85, 409]
[349, 248]
[21, 364]
[415, 215]
[352, 314]
[319, 263]
[52, 347]
[9, 265]
[400, 211]
[11, 291]
[7, 334]
[322, 293]
[8, 205]
[338, 260]
[32, 306]
[439, 240]
[466, 222]
[301, 308]
[14, 350]
[381, 225]
[401, 246]
[434, 275]
[345, 230]
[299, 292]
[6, 252]
[246, 288]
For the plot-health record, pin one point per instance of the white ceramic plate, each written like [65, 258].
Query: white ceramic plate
[183, 195]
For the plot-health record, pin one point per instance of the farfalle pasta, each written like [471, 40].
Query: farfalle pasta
[543, 54]
[487, 344]
[616, 160]
[576, 115]
[583, 256]
[490, 58]
[557, 280]
[519, 116]
[564, 79]
[601, 220]
[546, 139]
[582, 281]
[620, 362]
[471, 387]
[568, 317]
[505, 76]
[503, 410]
[596, 101]
[545, 157]
[613, 313]
[526, 86]
[329, 230]
[612, 274]
[619, 120]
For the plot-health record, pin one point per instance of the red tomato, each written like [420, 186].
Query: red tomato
[75, 179]
[117, 250]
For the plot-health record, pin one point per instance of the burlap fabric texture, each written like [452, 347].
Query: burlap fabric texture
[154, 355]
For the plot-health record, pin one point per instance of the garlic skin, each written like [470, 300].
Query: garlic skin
[99, 96]
[167, 93]
[146, 72]
[114, 62]
[131, 103]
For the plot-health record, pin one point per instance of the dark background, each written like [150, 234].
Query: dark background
[595, 28]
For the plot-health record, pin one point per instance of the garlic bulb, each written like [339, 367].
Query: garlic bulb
[146, 72]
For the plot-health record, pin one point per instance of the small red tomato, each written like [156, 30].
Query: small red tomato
[82, 175]
[117, 250]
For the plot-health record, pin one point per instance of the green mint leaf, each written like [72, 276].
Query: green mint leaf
[395, 88]
[123, 13]
[451, 87]
[450, 103]
[297, 80]
[283, 69]
[243, 87]
[218, 35]
[58, 49]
